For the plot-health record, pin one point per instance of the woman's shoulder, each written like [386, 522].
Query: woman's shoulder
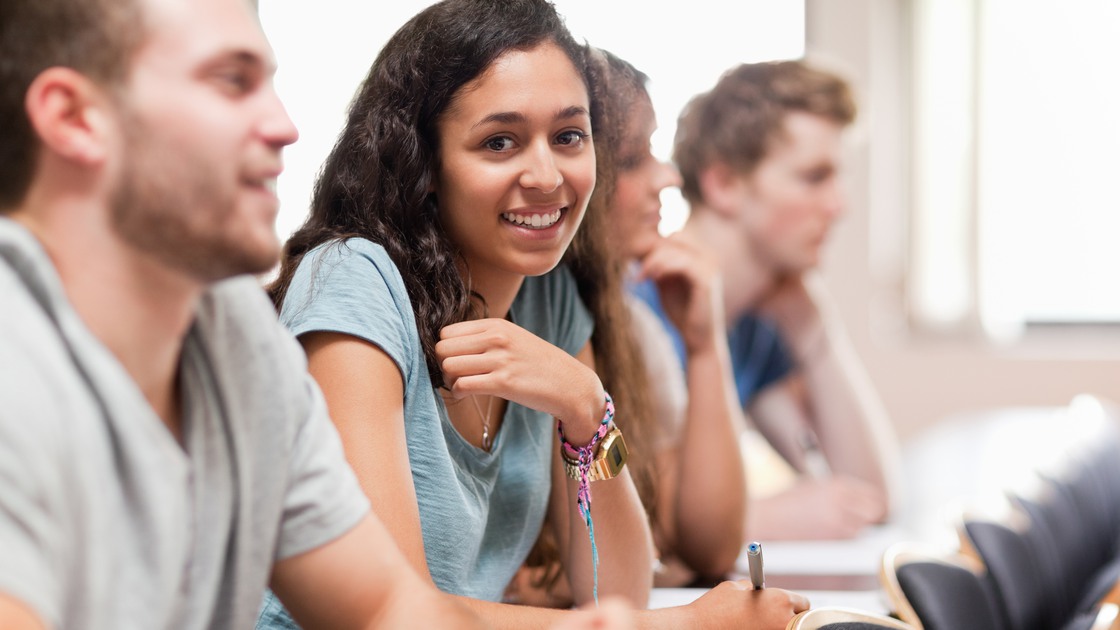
[344, 276]
[349, 251]
[349, 261]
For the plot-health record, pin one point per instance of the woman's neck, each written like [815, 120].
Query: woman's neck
[497, 289]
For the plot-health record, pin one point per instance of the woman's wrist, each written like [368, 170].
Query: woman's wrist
[712, 346]
[601, 458]
[701, 337]
[576, 433]
[581, 424]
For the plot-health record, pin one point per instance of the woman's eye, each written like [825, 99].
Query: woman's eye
[571, 137]
[500, 143]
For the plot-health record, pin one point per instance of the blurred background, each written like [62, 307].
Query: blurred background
[977, 266]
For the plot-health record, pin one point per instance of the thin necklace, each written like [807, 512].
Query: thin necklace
[485, 421]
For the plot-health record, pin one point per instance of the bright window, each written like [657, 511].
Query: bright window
[1017, 132]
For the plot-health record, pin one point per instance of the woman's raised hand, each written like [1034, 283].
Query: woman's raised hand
[689, 284]
[499, 358]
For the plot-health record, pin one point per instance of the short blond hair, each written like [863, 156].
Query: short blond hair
[736, 121]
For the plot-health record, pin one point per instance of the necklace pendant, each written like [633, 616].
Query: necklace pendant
[486, 442]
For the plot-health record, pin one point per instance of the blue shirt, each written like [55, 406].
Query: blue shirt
[480, 512]
[759, 357]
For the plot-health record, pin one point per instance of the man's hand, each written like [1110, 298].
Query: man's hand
[799, 305]
[835, 508]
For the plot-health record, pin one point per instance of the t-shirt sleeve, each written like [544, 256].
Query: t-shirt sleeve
[354, 288]
[309, 481]
[34, 530]
[323, 500]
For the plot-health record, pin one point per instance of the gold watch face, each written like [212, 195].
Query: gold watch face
[610, 458]
[615, 453]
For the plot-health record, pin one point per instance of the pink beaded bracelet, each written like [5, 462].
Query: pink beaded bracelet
[583, 456]
[572, 453]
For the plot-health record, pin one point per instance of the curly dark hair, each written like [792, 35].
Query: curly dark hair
[377, 181]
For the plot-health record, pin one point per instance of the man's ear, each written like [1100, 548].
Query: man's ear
[68, 112]
[721, 188]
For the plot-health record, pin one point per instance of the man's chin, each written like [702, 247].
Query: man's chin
[256, 263]
[217, 264]
[803, 263]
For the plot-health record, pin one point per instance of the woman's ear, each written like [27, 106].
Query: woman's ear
[722, 189]
[69, 114]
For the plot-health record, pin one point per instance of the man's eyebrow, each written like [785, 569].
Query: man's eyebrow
[244, 57]
[507, 118]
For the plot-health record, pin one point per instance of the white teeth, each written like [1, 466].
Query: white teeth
[270, 185]
[535, 221]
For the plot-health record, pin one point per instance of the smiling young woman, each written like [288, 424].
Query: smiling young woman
[451, 338]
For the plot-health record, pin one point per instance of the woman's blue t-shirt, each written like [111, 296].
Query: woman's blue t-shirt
[480, 512]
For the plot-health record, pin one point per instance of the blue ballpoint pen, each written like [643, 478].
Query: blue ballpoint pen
[754, 564]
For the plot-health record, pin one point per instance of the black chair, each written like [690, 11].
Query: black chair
[838, 618]
[1025, 577]
[1014, 569]
[1068, 547]
[1103, 588]
[1088, 473]
[932, 590]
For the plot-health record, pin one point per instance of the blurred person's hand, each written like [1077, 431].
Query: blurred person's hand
[802, 310]
[835, 508]
[690, 288]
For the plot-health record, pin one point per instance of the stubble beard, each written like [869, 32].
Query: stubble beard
[180, 217]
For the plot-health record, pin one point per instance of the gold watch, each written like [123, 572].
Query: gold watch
[610, 458]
